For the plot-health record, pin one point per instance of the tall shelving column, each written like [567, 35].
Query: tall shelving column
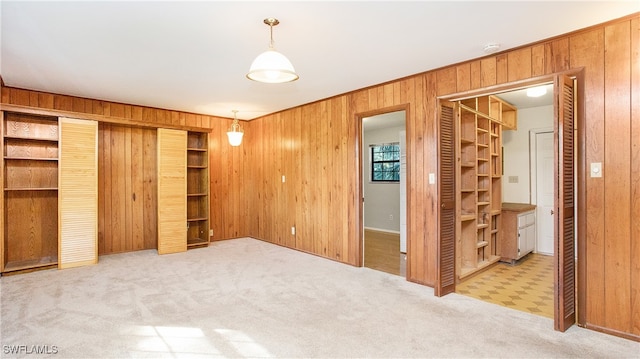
[197, 190]
[483, 247]
[467, 189]
[30, 191]
[496, 184]
[479, 195]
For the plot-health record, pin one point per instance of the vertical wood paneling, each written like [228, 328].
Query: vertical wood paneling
[634, 255]
[476, 74]
[150, 189]
[488, 69]
[557, 56]
[127, 206]
[519, 64]
[463, 77]
[501, 69]
[591, 47]
[136, 188]
[537, 60]
[616, 174]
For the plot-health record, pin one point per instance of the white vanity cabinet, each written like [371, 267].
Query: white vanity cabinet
[518, 231]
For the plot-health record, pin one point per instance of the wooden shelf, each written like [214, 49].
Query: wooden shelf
[30, 264]
[31, 158]
[197, 189]
[480, 167]
[197, 242]
[467, 271]
[468, 217]
[32, 189]
[31, 138]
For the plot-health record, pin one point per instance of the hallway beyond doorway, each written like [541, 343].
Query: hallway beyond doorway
[382, 252]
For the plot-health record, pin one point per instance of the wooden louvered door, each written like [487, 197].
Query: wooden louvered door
[172, 191]
[564, 225]
[446, 273]
[78, 193]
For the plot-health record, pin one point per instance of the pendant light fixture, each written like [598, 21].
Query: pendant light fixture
[235, 131]
[271, 66]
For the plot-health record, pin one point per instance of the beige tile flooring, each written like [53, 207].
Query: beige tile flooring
[526, 285]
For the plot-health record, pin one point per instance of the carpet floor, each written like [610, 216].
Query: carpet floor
[246, 298]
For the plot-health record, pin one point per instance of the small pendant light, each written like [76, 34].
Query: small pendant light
[272, 66]
[235, 131]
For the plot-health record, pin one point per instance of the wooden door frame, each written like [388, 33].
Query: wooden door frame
[580, 164]
[359, 142]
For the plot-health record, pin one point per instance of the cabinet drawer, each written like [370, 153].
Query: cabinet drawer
[526, 219]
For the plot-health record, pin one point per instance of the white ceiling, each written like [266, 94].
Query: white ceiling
[193, 56]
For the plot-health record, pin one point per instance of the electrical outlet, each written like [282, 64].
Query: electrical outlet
[391, 217]
[283, 179]
[211, 233]
[513, 179]
[293, 231]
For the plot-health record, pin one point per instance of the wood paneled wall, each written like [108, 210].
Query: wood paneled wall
[314, 146]
[127, 152]
[127, 188]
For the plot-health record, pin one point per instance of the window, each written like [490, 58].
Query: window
[385, 162]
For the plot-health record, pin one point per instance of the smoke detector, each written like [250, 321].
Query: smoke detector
[491, 48]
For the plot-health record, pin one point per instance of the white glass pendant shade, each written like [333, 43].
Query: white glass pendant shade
[235, 132]
[272, 67]
[235, 138]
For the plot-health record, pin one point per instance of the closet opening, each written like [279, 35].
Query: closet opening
[508, 213]
[383, 183]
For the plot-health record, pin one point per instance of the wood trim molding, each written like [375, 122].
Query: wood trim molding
[100, 118]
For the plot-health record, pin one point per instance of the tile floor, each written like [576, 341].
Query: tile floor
[526, 285]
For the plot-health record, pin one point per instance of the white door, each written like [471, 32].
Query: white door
[544, 192]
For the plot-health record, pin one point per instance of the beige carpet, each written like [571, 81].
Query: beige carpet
[251, 299]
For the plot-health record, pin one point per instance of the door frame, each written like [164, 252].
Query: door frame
[360, 176]
[579, 175]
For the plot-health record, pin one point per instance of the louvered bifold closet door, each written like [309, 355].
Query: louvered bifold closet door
[565, 308]
[172, 191]
[78, 193]
[446, 274]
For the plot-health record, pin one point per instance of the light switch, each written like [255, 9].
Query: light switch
[432, 178]
[596, 169]
[283, 179]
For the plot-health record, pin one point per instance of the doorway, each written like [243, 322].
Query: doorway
[525, 283]
[566, 160]
[383, 184]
